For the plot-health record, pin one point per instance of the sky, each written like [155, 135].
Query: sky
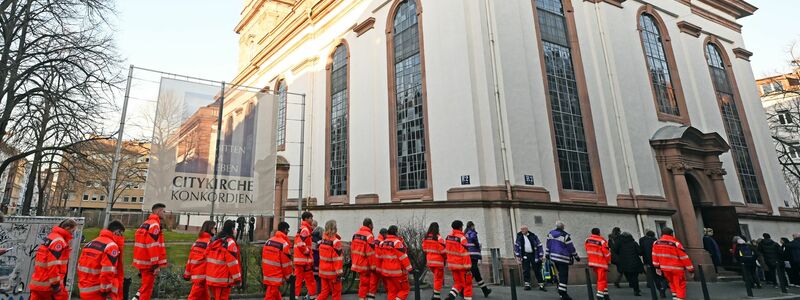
[189, 37]
[769, 33]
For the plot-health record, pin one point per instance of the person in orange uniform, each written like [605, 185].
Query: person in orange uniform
[459, 262]
[52, 259]
[222, 263]
[331, 264]
[149, 253]
[670, 259]
[395, 265]
[99, 265]
[362, 253]
[599, 258]
[304, 259]
[433, 245]
[195, 270]
[377, 279]
[276, 262]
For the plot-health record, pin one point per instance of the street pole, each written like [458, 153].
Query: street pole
[115, 162]
[302, 163]
[216, 152]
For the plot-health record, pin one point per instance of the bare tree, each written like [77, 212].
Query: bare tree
[58, 68]
[781, 97]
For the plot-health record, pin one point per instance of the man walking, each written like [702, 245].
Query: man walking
[99, 265]
[670, 259]
[529, 251]
[646, 242]
[599, 258]
[149, 253]
[771, 252]
[561, 251]
[362, 252]
[458, 262]
[304, 259]
[793, 254]
[395, 265]
[51, 263]
[276, 262]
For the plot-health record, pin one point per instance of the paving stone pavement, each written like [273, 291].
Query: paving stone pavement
[717, 291]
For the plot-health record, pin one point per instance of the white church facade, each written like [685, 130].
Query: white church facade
[636, 114]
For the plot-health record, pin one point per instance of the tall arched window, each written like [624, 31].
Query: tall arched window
[573, 144]
[337, 109]
[410, 154]
[731, 117]
[661, 67]
[281, 134]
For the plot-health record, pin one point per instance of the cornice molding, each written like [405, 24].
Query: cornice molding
[689, 28]
[742, 53]
[617, 3]
[708, 15]
[365, 26]
[735, 8]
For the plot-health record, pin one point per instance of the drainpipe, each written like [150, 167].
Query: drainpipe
[623, 138]
[500, 115]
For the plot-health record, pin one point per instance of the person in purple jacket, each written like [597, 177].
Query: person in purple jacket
[561, 252]
[529, 252]
[474, 249]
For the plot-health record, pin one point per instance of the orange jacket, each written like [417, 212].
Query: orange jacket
[362, 250]
[276, 260]
[331, 264]
[196, 266]
[456, 250]
[434, 246]
[99, 266]
[393, 257]
[669, 255]
[222, 263]
[51, 261]
[302, 245]
[598, 252]
[148, 248]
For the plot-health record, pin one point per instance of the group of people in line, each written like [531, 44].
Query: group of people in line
[213, 265]
[762, 259]
[666, 255]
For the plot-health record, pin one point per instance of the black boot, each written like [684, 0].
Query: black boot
[486, 291]
[565, 296]
[527, 286]
[452, 295]
[541, 287]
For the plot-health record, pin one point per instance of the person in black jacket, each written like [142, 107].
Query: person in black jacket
[711, 246]
[792, 250]
[771, 252]
[628, 261]
[612, 245]
[646, 244]
[747, 256]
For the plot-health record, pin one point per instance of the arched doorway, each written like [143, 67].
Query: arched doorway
[692, 176]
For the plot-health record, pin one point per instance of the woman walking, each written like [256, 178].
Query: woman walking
[628, 261]
[434, 246]
[196, 266]
[330, 263]
[222, 263]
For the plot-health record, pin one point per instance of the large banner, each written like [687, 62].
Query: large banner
[187, 151]
[24, 235]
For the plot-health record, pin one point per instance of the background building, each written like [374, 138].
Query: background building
[780, 96]
[599, 113]
[11, 181]
[82, 183]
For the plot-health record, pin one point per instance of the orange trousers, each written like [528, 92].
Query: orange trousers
[438, 281]
[367, 284]
[462, 283]
[331, 288]
[199, 292]
[304, 274]
[397, 288]
[96, 296]
[677, 283]
[148, 280]
[273, 293]
[220, 293]
[602, 281]
[49, 295]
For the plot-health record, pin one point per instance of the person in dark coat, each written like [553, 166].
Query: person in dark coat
[628, 261]
[711, 246]
[530, 253]
[771, 252]
[612, 244]
[792, 250]
[744, 254]
[646, 244]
